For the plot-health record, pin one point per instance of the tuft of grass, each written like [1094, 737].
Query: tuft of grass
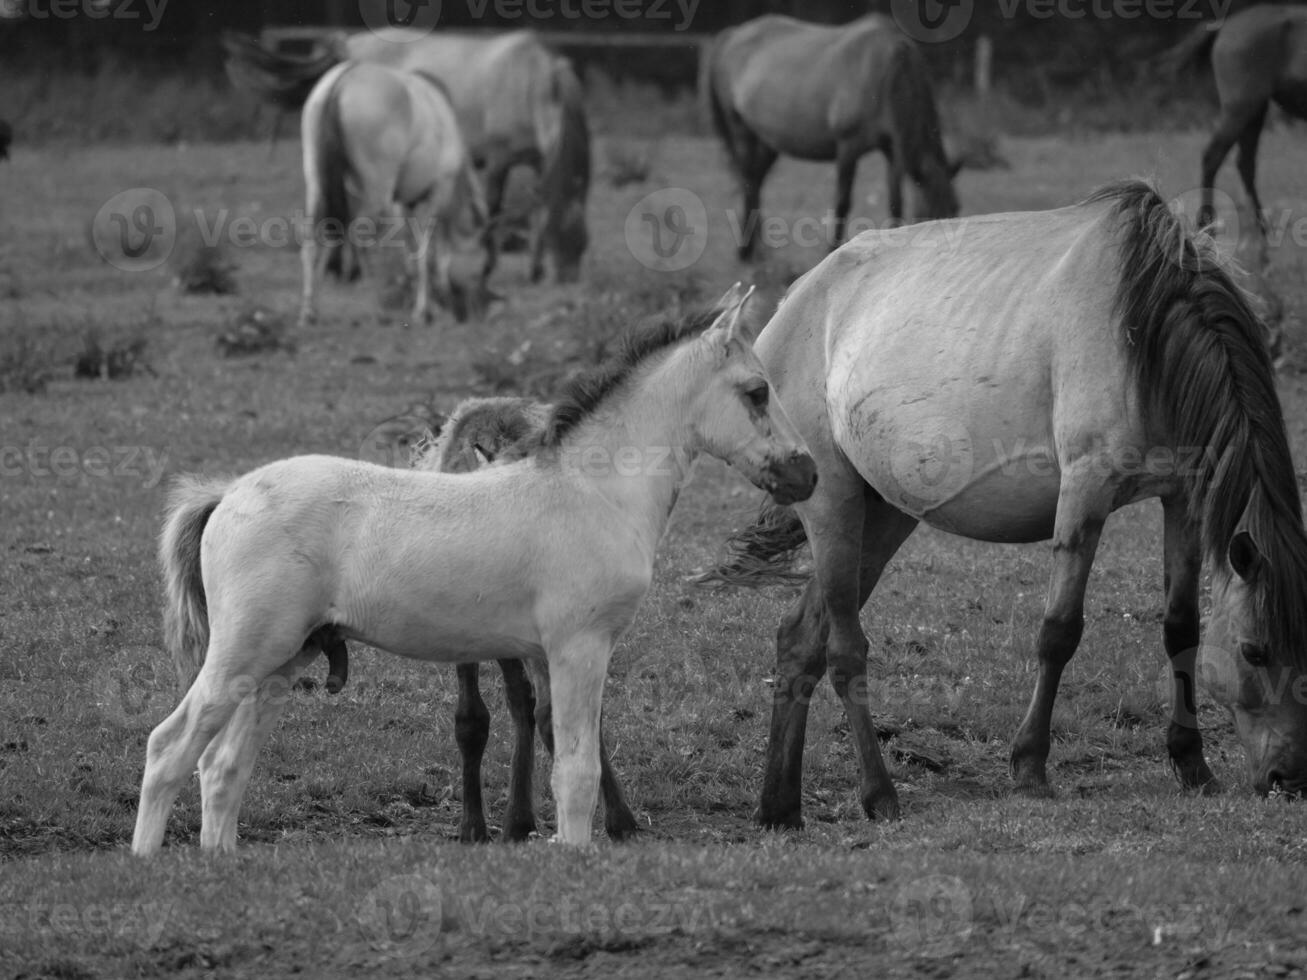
[113, 361]
[203, 268]
[627, 163]
[256, 330]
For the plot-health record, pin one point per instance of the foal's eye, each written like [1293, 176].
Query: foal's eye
[1254, 654]
[757, 396]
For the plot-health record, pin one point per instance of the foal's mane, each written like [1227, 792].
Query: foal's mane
[581, 398]
[1202, 370]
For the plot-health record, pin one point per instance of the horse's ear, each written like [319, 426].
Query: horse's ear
[1244, 556]
[730, 317]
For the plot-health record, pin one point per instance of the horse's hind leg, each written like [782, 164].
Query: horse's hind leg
[520, 819]
[1184, 564]
[1234, 119]
[495, 177]
[850, 529]
[1247, 163]
[1083, 505]
[471, 731]
[227, 763]
[173, 750]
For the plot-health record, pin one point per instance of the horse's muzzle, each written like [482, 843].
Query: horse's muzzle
[791, 479]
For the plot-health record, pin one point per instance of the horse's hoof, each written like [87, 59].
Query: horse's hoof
[473, 834]
[623, 828]
[1034, 790]
[744, 253]
[770, 818]
[882, 806]
[518, 831]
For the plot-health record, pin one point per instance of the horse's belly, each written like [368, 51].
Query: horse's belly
[991, 483]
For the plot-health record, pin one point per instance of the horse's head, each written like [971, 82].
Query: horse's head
[1257, 677]
[738, 420]
[936, 197]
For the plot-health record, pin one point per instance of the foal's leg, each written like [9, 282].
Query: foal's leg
[520, 819]
[854, 535]
[1184, 565]
[577, 670]
[471, 731]
[619, 822]
[495, 178]
[1084, 503]
[227, 763]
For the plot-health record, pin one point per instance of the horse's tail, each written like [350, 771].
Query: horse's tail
[185, 611]
[332, 167]
[763, 553]
[1190, 53]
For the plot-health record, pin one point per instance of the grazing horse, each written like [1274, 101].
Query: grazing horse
[484, 431]
[377, 142]
[518, 103]
[545, 559]
[778, 85]
[1020, 380]
[1258, 56]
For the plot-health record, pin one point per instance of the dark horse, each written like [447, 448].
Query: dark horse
[481, 431]
[1258, 56]
[778, 85]
[518, 103]
[1019, 381]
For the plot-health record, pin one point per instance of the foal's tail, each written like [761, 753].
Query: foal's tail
[763, 553]
[185, 611]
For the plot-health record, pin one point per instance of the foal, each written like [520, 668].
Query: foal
[546, 558]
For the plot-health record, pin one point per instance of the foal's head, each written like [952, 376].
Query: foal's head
[734, 416]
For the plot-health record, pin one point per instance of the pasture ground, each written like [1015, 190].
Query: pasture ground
[347, 867]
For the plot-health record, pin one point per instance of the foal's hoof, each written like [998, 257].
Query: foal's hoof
[622, 827]
[778, 818]
[518, 831]
[1033, 790]
[335, 684]
[882, 805]
[473, 833]
[1194, 774]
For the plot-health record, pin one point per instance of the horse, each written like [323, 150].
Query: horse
[377, 141]
[779, 85]
[518, 103]
[1258, 56]
[1019, 377]
[481, 432]
[545, 559]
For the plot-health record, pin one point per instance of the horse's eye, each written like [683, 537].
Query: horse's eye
[1254, 654]
[757, 396]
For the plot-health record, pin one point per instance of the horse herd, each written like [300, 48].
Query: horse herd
[1008, 378]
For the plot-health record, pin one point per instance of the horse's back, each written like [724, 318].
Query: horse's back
[803, 87]
[1262, 52]
[954, 364]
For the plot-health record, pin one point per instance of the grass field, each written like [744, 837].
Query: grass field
[347, 867]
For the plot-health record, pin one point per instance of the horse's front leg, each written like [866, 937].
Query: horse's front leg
[577, 669]
[1184, 564]
[1084, 502]
[495, 179]
[471, 732]
[421, 222]
[846, 169]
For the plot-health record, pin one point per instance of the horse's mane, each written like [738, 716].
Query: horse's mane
[1201, 367]
[581, 398]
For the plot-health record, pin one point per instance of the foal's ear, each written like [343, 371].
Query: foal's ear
[730, 320]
